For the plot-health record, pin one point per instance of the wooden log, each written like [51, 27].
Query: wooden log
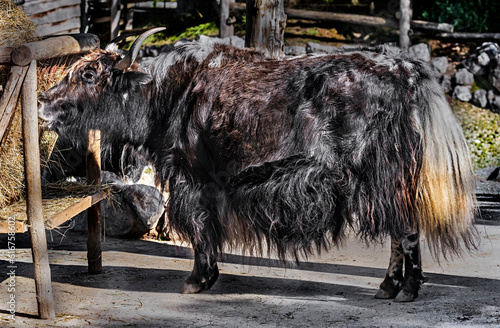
[36, 229]
[19, 227]
[470, 36]
[266, 22]
[9, 99]
[94, 251]
[404, 24]
[54, 47]
[226, 28]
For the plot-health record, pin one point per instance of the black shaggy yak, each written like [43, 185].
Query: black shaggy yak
[284, 154]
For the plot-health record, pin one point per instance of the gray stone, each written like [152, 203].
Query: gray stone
[495, 105]
[495, 77]
[421, 51]
[464, 77]
[146, 201]
[237, 41]
[462, 92]
[446, 84]
[479, 98]
[313, 47]
[483, 59]
[295, 50]
[132, 210]
[440, 63]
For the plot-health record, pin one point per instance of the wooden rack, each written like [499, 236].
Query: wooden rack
[23, 82]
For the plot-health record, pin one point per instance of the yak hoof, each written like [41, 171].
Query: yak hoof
[196, 284]
[404, 296]
[384, 294]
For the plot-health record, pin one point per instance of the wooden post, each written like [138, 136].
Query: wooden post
[226, 27]
[265, 30]
[94, 251]
[9, 99]
[404, 24]
[41, 266]
[115, 19]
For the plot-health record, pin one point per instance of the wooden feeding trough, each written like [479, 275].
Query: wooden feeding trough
[23, 82]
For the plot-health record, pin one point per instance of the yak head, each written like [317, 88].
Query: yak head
[101, 91]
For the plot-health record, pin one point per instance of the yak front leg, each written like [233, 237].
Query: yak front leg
[393, 281]
[204, 274]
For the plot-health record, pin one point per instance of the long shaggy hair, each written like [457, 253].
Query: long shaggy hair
[289, 152]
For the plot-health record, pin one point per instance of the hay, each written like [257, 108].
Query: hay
[16, 29]
[56, 198]
[15, 26]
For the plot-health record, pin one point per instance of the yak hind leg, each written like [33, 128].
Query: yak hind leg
[413, 268]
[204, 274]
[394, 280]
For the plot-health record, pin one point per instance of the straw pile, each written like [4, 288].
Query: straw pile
[16, 29]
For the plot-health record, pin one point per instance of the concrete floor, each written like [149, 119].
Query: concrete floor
[141, 281]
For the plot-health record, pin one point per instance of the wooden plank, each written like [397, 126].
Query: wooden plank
[38, 7]
[36, 229]
[9, 99]
[54, 47]
[18, 227]
[94, 250]
[59, 15]
[5, 55]
[61, 217]
[49, 29]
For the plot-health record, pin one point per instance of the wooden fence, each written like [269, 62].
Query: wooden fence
[54, 17]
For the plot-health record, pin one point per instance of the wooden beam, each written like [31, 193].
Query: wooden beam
[36, 229]
[94, 251]
[19, 227]
[5, 55]
[352, 19]
[471, 36]
[115, 19]
[404, 24]
[9, 99]
[54, 47]
[61, 217]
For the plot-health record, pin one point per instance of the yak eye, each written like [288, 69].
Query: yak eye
[89, 76]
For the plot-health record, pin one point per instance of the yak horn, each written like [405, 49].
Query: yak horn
[131, 55]
[113, 43]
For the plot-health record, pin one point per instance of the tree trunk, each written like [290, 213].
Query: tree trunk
[265, 29]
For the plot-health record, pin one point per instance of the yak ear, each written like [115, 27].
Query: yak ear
[136, 78]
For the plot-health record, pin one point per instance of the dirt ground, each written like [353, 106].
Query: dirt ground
[141, 281]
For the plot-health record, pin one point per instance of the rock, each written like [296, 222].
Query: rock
[313, 47]
[495, 105]
[132, 210]
[495, 77]
[146, 201]
[483, 59]
[421, 51]
[440, 64]
[462, 92]
[237, 41]
[479, 98]
[464, 77]
[446, 84]
[295, 50]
